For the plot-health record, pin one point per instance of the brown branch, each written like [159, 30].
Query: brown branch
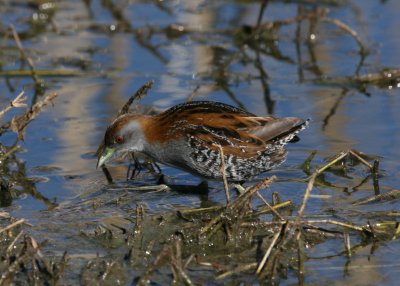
[18, 101]
[305, 199]
[14, 224]
[273, 210]
[19, 123]
[268, 252]
[222, 170]
[142, 91]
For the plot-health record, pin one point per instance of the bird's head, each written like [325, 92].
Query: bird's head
[124, 135]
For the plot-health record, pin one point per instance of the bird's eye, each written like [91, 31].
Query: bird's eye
[119, 139]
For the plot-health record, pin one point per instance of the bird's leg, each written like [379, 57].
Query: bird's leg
[136, 168]
[157, 167]
[161, 179]
[152, 166]
[203, 186]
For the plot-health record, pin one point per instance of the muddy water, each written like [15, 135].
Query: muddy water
[111, 48]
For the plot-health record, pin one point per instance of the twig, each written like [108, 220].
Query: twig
[273, 210]
[215, 222]
[307, 194]
[142, 91]
[4, 214]
[237, 270]
[19, 123]
[161, 259]
[342, 224]
[10, 226]
[189, 260]
[305, 199]
[361, 159]
[300, 257]
[388, 196]
[268, 209]
[222, 170]
[250, 191]
[331, 163]
[24, 254]
[176, 262]
[267, 253]
[397, 232]
[9, 152]
[11, 246]
[263, 224]
[18, 101]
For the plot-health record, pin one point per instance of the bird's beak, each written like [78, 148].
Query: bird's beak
[105, 156]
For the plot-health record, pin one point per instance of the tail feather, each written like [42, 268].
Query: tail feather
[290, 135]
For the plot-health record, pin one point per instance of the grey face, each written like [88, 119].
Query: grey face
[124, 135]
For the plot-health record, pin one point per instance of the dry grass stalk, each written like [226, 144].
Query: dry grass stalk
[172, 254]
[251, 191]
[12, 150]
[273, 209]
[4, 215]
[235, 206]
[12, 225]
[237, 270]
[18, 101]
[138, 95]
[12, 244]
[300, 213]
[160, 260]
[222, 170]
[268, 252]
[19, 123]
[180, 276]
[388, 196]
[268, 209]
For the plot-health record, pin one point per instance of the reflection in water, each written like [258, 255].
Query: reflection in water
[187, 59]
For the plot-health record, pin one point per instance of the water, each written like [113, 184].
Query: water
[113, 55]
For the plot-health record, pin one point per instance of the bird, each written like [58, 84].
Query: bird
[190, 136]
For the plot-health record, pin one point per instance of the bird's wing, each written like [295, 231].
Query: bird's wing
[236, 130]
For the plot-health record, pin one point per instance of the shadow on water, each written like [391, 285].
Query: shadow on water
[328, 215]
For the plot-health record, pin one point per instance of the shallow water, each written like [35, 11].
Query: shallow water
[112, 55]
